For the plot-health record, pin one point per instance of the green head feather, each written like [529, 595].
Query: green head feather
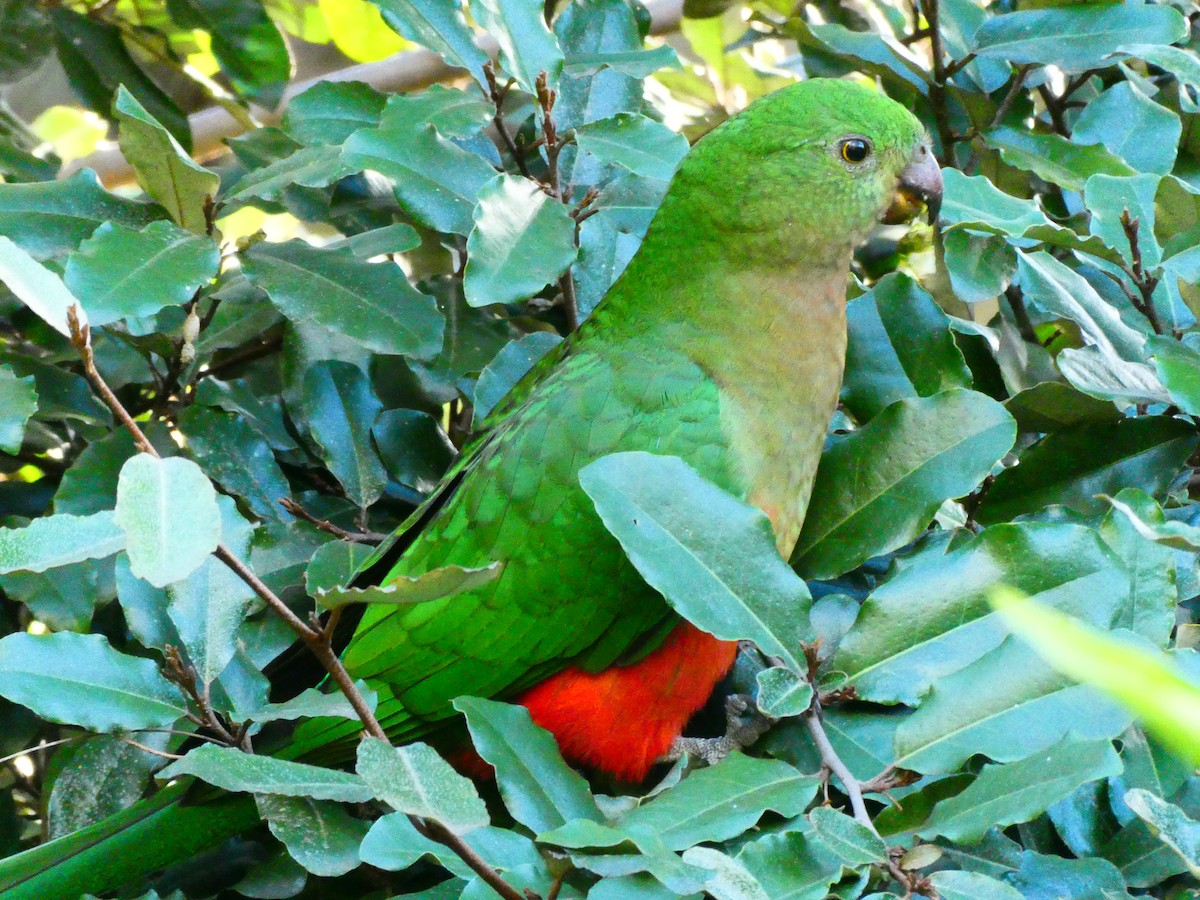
[780, 180]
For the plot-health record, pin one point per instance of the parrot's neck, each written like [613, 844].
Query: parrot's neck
[775, 343]
[772, 337]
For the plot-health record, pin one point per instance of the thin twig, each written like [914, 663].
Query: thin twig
[496, 94]
[833, 762]
[1144, 282]
[318, 640]
[372, 538]
[554, 147]
[937, 87]
[4, 760]
[1010, 97]
[163, 753]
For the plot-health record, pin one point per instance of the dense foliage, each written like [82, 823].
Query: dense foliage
[323, 317]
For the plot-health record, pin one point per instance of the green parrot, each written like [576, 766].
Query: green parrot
[722, 343]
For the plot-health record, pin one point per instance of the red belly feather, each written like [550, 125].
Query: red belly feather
[623, 719]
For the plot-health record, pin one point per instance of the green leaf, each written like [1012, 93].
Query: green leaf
[879, 487]
[404, 590]
[1177, 535]
[933, 616]
[722, 801]
[1139, 677]
[507, 368]
[440, 26]
[102, 776]
[1054, 158]
[18, 401]
[899, 345]
[415, 780]
[318, 834]
[316, 167]
[397, 238]
[245, 41]
[538, 788]
[1178, 366]
[527, 48]
[729, 879]
[436, 182]
[980, 266]
[866, 50]
[23, 28]
[98, 64]
[1100, 373]
[168, 511]
[634, 142]
[329, 112]
[1017, 792]
[373, 304]
[38, 287]
[393, 844]
[1073, 467]
[53, 541]
[78, 679]
[340, 408]
[118, 272]
[312, 703]
[972, 886]
[278, 878]
[1171, 824]
[164, 169]
[209, 606]
[452, 112]
[852, 842]
[1075, 38]
[48, 219]
[1132, 126]
[414, 448]
[237, 457]
[1153, 595]
[975, 200]
[711, 556]
[1054, 406]
[234, 770]
[1045, 877]
[1005, 705]
[783, 693]
[792, 865]
[522, 241]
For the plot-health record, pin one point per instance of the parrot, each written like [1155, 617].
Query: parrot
[722, 343]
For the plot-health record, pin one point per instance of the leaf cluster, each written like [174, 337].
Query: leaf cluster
[310, 327]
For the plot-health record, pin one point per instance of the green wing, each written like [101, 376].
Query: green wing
[566, 595]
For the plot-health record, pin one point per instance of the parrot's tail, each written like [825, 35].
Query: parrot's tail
[125, 848]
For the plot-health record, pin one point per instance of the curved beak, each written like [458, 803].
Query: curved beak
[920, 184]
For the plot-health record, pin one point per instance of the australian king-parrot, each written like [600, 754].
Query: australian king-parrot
[721, 343]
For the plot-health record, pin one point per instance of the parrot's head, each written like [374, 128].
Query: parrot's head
[811, 168]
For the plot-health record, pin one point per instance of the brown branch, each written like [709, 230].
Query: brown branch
[937, 86]
[554, 146]
[1010, 97]
[372, 538]
[832, 763]
[1144, 282]
[318, 640]
[496, 94]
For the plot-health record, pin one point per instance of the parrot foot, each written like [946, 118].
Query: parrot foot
[744, 724]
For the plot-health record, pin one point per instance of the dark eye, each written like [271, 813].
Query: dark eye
[855, 150]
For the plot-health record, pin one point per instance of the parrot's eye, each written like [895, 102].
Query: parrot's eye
[855, 150]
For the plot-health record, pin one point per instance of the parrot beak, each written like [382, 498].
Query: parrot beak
[920, 183]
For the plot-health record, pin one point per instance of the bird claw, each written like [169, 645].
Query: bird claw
[744, 724]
